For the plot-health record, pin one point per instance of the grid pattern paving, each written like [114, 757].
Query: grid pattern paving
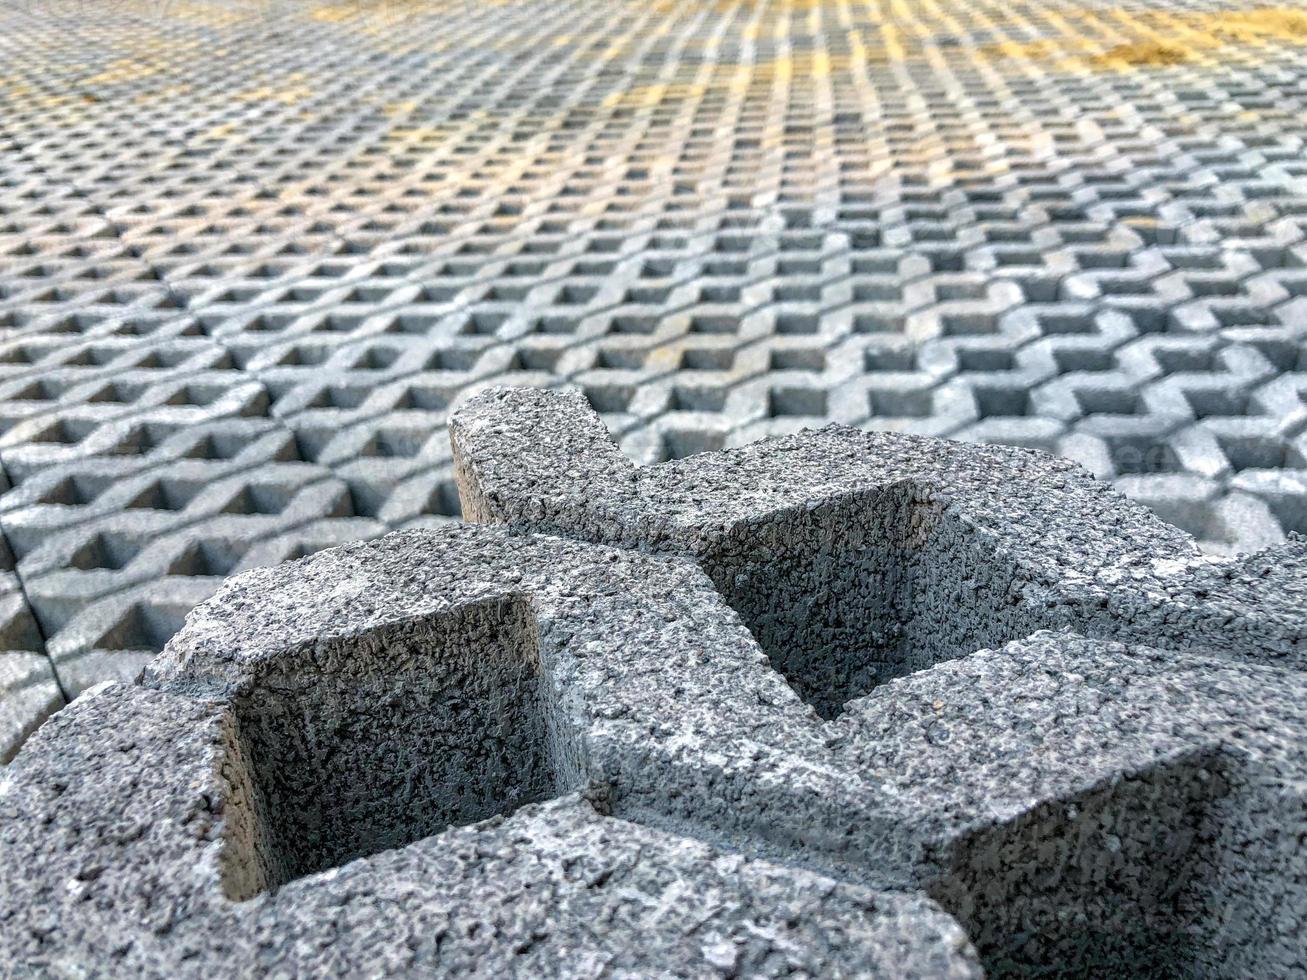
[252, 251]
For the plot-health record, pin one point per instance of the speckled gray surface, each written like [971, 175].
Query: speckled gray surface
[857, 556]
[147, 815]
[813, 707]
[1080, 805]
[1087, 808]
[241, 806]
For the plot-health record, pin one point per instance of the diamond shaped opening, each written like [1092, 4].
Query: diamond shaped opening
[863, 588]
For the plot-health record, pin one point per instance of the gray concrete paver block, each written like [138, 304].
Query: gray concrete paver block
[972, 545]
[980, 222]
[1050, 789]
[29, 690]
[513, 683]
[29, 694]
[952, 673]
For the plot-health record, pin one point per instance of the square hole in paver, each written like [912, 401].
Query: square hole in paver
[368, 743]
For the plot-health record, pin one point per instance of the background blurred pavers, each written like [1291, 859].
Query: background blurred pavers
[252, 252]
[29, 692]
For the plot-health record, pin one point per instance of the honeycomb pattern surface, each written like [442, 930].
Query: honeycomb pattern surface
[252, 252]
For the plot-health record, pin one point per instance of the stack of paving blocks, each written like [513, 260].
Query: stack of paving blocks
[838, 704]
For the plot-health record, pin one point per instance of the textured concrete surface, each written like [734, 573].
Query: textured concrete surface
[1083, 807]
[472, 749]
[856, 556]
[252, 251]
[398, 757]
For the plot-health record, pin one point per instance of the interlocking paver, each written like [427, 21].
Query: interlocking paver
[320, 226]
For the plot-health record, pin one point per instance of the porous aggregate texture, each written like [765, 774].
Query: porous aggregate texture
[164, 830]
[253, 251]
[857, 556]
[839, 703]
[1079, 803]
